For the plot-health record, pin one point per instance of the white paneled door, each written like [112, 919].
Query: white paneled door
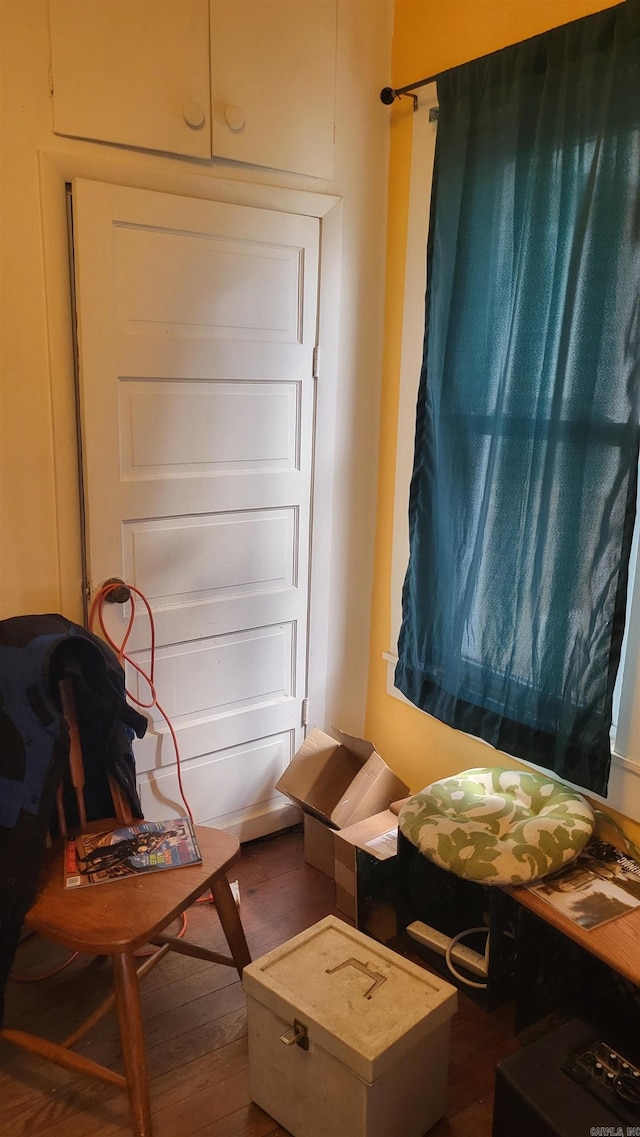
[196, 331]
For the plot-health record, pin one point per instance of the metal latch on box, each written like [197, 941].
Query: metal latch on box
[297, 1034]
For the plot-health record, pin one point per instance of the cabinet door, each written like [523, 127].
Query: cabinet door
[134, 72]
[273, 66]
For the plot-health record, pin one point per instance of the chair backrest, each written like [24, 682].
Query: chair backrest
[122, 814]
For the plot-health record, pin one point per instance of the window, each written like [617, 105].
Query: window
[624, 782]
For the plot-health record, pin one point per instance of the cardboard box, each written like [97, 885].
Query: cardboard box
[319, 844]
[376, 836]
[336, 782]
[347, 1038]
[396, 806]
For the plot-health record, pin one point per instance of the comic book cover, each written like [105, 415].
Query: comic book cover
[142, 847]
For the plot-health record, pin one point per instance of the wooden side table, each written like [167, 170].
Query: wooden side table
[598, 971]
[616, 943]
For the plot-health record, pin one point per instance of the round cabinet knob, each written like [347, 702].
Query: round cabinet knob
[234, 117]
[194, 115]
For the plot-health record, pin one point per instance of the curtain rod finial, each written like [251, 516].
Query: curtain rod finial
[387, 96]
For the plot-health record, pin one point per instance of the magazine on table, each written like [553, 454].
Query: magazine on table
[142, 847]
[601, 884]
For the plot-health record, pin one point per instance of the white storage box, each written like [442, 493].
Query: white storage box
[346, 1038]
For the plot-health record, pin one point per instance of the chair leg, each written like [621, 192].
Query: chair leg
[231, 924]
[132, 1042]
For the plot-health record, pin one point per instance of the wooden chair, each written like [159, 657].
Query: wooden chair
[116, 919]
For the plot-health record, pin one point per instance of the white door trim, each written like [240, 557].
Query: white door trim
[59, 166]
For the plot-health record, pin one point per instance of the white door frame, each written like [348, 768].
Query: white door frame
[59, 166]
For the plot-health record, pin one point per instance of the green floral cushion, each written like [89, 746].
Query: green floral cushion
[498, 826]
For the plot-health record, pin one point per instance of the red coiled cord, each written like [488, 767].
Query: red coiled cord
[97, 607]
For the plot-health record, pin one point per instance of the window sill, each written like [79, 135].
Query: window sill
[624, 778]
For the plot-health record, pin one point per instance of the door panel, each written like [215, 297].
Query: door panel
[197, 324]
[216, 427]
[237, 781]
[258, 301]
[221, 674]
[221, 555]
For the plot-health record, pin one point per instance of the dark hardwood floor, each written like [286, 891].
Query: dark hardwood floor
[195, 1024]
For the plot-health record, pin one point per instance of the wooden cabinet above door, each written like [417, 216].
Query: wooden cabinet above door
[133, 72]
[273, 69]
[245, 80]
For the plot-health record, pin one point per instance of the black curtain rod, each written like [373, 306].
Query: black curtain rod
[388, 94]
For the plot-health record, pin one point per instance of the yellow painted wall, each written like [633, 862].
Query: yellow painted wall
[29, 576]
[429, 36]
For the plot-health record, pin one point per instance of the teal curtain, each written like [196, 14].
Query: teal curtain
[523, 493]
